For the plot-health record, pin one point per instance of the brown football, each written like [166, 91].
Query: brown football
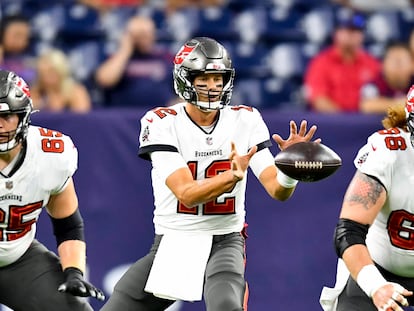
[308, 161]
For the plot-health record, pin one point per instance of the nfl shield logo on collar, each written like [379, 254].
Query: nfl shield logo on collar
[209, 140]
[9, 185]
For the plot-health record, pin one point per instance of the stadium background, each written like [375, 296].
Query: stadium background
[290, 252]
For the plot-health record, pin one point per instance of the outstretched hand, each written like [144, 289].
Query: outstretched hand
[77, 286]
[239, 163]
[295, 136]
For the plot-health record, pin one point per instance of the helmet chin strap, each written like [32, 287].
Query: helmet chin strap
[6, 147]
[12, 142]
[209, 106]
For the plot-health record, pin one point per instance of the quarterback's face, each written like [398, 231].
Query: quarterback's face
[8, 125]
[209, 86]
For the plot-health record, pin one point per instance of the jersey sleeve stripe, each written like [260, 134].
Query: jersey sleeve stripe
[144, 152]
[263, 145]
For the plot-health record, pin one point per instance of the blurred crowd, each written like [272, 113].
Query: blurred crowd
[325, 56]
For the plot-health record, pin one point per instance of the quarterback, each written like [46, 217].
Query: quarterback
[199, 184]
[374, 237]
[36, 168]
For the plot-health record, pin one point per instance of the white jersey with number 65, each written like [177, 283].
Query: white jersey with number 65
[50, 160]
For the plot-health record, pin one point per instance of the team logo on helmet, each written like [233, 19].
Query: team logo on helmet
[410, 100]
[22, 85]
[183, 53]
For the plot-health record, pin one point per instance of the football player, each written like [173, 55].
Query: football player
[374, 237]
[36, 168]
[200, 150]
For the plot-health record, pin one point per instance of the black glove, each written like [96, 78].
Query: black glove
[77, 286]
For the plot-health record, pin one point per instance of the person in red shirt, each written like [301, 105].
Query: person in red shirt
[335, 76]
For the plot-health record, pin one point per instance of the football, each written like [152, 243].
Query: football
[308, 161]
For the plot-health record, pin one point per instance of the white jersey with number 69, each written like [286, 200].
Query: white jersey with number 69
[389, 157]
[50, 160]
[206, 153]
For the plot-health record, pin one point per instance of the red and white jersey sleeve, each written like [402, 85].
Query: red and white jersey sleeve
[50, 160]
[389, 157]
[206, 153]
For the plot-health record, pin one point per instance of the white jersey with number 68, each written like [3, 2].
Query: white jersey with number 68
[389, 157]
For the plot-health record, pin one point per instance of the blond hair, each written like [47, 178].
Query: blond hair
[59, 61]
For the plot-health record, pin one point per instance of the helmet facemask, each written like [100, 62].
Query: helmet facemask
[203, 56]
[410, 125]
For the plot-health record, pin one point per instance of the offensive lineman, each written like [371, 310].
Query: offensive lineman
[374, 237]
[199, 187]
[36, 168]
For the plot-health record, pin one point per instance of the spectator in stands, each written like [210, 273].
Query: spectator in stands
[335, 76]
[15, 32]
[55, 89]
[390, 87]
[138, 73]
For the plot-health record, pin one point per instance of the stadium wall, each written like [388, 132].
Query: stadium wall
[290, 254]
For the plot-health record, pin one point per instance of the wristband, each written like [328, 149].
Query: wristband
[285, 181]
[370, 279]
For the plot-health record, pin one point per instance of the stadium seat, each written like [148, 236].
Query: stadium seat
[269, 93]
[80, 22]
[113, 22]
[286, 61]
[47, 23]
[382, 27]
[249, 25]
[284, 25]
[215, 22]
[180, 25]
[248, 59]
[406, 23]
[318, 24]
[241, 5]
[85, 58]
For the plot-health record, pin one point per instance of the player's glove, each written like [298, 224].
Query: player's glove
[77, 286]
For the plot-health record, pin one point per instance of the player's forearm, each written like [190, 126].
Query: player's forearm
[274, 185]
[282, 194]
[201, 191]
[355, 258]
[72, 253]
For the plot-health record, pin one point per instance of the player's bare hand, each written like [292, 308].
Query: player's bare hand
[239, 163]
[390, 297]
[295, 136]
[77, 286]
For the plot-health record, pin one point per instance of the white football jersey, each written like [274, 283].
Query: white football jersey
[50, 160]
[206, 153]
[389, 157]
